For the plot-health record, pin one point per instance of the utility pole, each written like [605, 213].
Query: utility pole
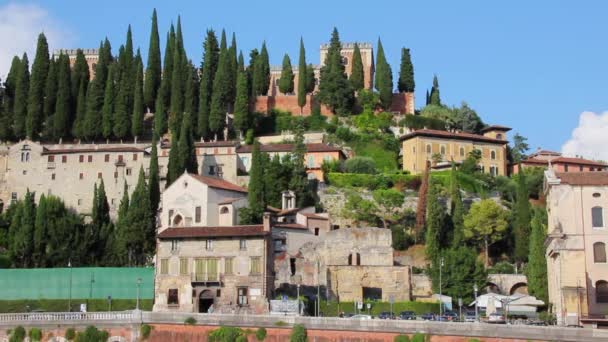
[138, 285]
[318, 288]
[440, 285]
[476, 313]
[70, 290]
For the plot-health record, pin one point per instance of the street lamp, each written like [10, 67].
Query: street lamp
[440, 285]
[91, 290]
[70, 288]
[298, 295]
[137, 301]
[476, 314]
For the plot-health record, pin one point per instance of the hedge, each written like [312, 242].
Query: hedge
[61, 305]
[372, 182]
[330, 309]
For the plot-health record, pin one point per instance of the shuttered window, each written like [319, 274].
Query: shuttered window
[183, 266]
[255, 265]
[228, 264]
[164, 266]
[212, 269]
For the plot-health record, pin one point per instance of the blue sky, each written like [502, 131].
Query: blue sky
[531, 65]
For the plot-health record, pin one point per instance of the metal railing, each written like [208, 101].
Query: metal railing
[68, 316]
[206, 277]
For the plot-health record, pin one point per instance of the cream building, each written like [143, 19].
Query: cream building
[577, 267]
[424, 145]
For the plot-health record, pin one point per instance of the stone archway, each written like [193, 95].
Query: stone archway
[492, 288]
[519, 288]
[205, 300]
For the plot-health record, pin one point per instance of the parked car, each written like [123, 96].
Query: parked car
[441, 318]
[496, 318]
[537, 323]
[469, 316]
[386, 315]
[361, 317]
[429, 316]
[407, 315]
[451, 315]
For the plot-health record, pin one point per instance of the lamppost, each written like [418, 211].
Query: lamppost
[70, 288]
[475, 290]
[137, 301]
[298, 295]
[440, 286]
[91, 290]
[318, 288]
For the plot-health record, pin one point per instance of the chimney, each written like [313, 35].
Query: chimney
[266, 221]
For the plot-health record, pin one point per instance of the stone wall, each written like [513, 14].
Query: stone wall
[348, 283]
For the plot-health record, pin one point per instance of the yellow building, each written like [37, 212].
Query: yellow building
[443, 147]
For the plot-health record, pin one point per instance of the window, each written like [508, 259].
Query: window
[134, 156]
[499, 136]
[428, 148]
[292, 266]
[81, 176]
[24, 172]
[13, 196]
[99, 175]
[129, 171]
[597, 217]
[245, 161]
[493, 170]
[461, 151]
[493, 155]
[212, 270]
[64, 159]
[209, 245]
[350, 259]
[242, 296]
[81, 159]
[90, 159]
[255, 265]
[218, 293]
[172, 297]
[199, 269]
[243, 244]
[580, 168]
[211, 170]
[164, 266]
[120, 158]
[591, 169]
[197, 214]
[316, 231]
[442, 150]
[174, 245]
[599, 252]
[311, 161]
[597, 195]
[414, 149]
[170, 215]
[106, 158]
[601, 291]
[51, 159]
[228, 266]
[566, 168]
[79, 201]
[327, 158]
[53, 176]
[224, 210]
[115, 174]
[358, 259]
[183, 266]
[113, 201]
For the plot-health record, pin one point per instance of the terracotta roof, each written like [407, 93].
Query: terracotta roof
[204, 232]
[287, 211]
[318, 147]
[229, 200]
[545, 152]
[228, 143]
[290, 225]
[534, 161]
[583, 178]
[451, 135]
[496, 128]
[314, 216]
[218, 183]
[102, 149]
[567, 160]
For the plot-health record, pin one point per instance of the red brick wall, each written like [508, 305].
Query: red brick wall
[403, 103]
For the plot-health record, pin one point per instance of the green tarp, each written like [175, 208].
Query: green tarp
[86, 282]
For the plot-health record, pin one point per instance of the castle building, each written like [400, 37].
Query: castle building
[577, 228]
[91, 55]
[441, 148]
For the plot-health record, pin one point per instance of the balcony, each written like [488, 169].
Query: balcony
[120, 163]
[50, 165]
[208, 279]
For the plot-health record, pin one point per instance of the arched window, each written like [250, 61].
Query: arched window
[177, 220]
[599, 252]
[358, 259]
[601, 291]
[597, 217]
[499, 136]
[493, 155]
[428, 148]
[224, 210]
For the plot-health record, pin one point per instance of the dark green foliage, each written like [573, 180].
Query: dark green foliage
[242, 120]
[80, 74]
[255, 195]
[456, 209]
[60, 305]
[145, 329]
[98, 231]
[40, 70]
[360, 165]
[384, 78]
[22, 86]
[122, 227]
[50, 92]
[92, 334]
[373, 181]
[335, 90]
[298, 182]
[402, 338]
[406, 73]
[470, 164]
[226, 334]
[310, 78]
[137, 119]
[182, 154]
[140, 232]
[253, 55]
[502, 267]
[435, 223]
[6, 112]
[287, 76]
[519, 149]
[298, 334]
[460, 271]
[261, 72]
[356, 76]
[70, 333]
[434, 98]
[35, 334]
[107, 119]
[191, 95]
[40, 233]
[302, 76]
[153, 180]
[164, 92]
[190, 321]
[95, 97]
[21, 232]
[260, 334]
[17, 335]
[419, 337]
[521, 225]
[536, 269]
[153, 69]
[221, 93]
[209, 68]
[179, 73]
[81, 100]
[388, 201]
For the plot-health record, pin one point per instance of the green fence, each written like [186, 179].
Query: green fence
[76, 282]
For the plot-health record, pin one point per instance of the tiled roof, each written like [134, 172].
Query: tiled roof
[317, 147]
[567, 160]
[218, 183]
[207, 232]
[496, 128]
[228, 143]
[314, 216]
[535, 161]
[290, 225]
[545, 152]
[583, 178]
[451, 135]
[229, 200]
[126, 149]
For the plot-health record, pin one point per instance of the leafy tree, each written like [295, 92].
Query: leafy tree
[364, 165]
[22, 232]
[80, 74]
[140, 234]
[384, 78]
[18, 334]
[302, 76]
[335, 90]
[486, 222]
[466, 119]
[298, 182]
[107, 119]
[261, 76]
[22, 86]
[401, 338]
[81, 100]
[421, 207]
[456, 209]
[471, 164]
[310, 79]
[40, 70]
[519, 149]
[63, 105]
[10, 84]
[260, 334]
[434, 98]
[221, 93]
[522, 215]
[40, 233]
[137, 118]
[276, 179]
[406, 82]
[164, 92]
[461, 269]
[287, 76]
[255, 194]
[389, 202]
[92, 334]
[209, 68]
[153, 70]
[536, 270]
[357, 78]
[435, 223]
[241, 104]
[153, 180]
[122, 226]
[298, 334]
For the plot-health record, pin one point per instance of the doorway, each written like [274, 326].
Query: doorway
[205, 301]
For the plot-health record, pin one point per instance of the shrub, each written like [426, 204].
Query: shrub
[373, 182]
[330, 309]
[145, 331]
[70, 334]
[502, 267]
[92, 334]
[298, 334]
[402, 338]
[260, 334]
[281, 324]
[226, 334]
[241, 338]
[190, 321]
[35, 334]
[17, 335]
[418, 337]
[363, 165]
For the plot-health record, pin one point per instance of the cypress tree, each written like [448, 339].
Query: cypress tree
[221, 91]
[153, 70]
[406, 73]
[153, 179]
[137, 119]
[536, 270]
[177, 94]
[40, 70]
[10, 84]
[435, 221]
[78, 125]
[191, 95]
[122, 117]
[255, 194]
[456, 209]
[20, 103]
[286, 80]
[241, 104]
[434, 98]
[310, 79]
[185, 146]
[261, 75]
[22, 227]
[174, 166]
[384, 78]
[233, 67]
[356, 75]
[80, 74]
[302, 76]
[40, 233]
[140, 233]
[209, 68]
[335, 90]
[122, 226]
[298, 181]
[522, 219]
[164, 92]
[63, 104]
[107, 123]
[253, 55]
[428, 98]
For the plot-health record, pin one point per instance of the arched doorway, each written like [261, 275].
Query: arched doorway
[205, 300]
[177, 220]
[492, 288]
[519, 288]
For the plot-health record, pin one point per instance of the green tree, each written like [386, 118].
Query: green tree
[435, 223]
[95, 96]
[40, 70]
[50, 97]
[275, 180]
[298, 334]
[153, 69]
[137, 118]
[63, 105]
[302, 76]
[406, 73]
[153, 179]
[122, 226]
[335, 90]
[10, 84]
[40, 233]
[485, 222]
[261, 77]
[164, 92]
[384, 78]
[522, 214]
[357, 78]
[536, 270]
[176, 107]
[286, 80]
[298, 182]
[80, 75]
[20, 100]
[241, 104]
[185, 146]
[81, 101]
[255, 194]
[140, 234]
[22, 231]
[389, 202]
[209, 68]
[107, 116]
[121, 119]
[310, 79]
[434, 98]
[456, 209]
[221, 93]
[519, 149]
[461, 270]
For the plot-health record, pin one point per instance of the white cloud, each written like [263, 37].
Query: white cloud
[20, 25]
[590, 138]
